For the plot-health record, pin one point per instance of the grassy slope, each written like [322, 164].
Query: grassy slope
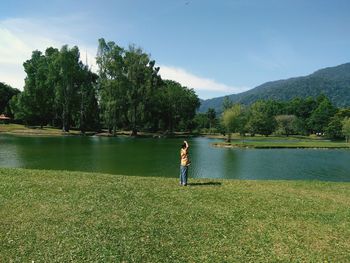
[51, 216]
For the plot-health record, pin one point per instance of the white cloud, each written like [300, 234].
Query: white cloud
[19, 37]
[197, 83]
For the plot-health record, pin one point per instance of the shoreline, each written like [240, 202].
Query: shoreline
[21, 130]
[272, 146]
[256, 142]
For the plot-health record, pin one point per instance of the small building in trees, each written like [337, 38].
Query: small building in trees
[4, 119]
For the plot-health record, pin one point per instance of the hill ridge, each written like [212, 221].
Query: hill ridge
[334, 82]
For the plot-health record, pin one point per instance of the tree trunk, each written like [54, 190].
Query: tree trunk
[82, 128]
[134, 130]
[63, 122]
[114, 121]
[228, 137]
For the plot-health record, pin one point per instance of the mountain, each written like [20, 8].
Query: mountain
[334, 82]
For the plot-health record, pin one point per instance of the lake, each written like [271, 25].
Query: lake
[160, 157]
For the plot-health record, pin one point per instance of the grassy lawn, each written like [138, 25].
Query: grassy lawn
[53, 216]
[18, 129]
[24, 130]
[260, 142]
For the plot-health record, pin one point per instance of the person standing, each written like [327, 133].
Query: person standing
[185, 162]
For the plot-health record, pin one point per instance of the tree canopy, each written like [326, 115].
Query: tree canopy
[6, 94]
[133, 95]
[127, 93]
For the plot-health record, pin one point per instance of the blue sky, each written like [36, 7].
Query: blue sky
[216, 47]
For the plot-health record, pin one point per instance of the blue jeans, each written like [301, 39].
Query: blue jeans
[183, 174]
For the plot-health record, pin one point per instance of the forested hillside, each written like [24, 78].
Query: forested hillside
[334, 82]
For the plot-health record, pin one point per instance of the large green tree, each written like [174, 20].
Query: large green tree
[112, 85]
[129, 86]
[177, 105]
[302, 109]
[142, 84]
[321, 116]
[35, 104]
[6, 94]
[286, 124]
[58, 89]
[66, 76]
[261, 119]
[334, 127]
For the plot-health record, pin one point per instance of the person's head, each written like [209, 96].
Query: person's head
[183, 146]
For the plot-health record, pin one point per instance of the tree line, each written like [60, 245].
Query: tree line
[126, 93]
[300, 116]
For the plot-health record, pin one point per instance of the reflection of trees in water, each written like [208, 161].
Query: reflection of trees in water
[231, 164]
[210, 162]
[165, 157]
[10, 155]
[161, 157]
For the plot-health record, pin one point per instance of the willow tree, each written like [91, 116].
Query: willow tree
[142, 83]
[112, 84]
[128, 84]
[233, 119]
[65, 75]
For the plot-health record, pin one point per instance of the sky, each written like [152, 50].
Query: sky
[216, 47]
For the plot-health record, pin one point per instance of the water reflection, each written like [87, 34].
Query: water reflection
[160, 157]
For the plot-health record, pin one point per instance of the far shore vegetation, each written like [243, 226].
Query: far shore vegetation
[62, 216]
[20, 129]
[237, 141]
[127, 93]
[282, 142]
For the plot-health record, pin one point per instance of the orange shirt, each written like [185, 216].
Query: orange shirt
[184, 157]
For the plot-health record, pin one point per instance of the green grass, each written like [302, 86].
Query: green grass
[19, 129]
[54, 216]
[283, 142]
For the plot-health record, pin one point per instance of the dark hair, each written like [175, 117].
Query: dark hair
[183, 146]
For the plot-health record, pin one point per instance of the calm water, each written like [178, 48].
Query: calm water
[160, 157]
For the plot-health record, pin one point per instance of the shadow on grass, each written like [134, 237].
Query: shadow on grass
[205, 184]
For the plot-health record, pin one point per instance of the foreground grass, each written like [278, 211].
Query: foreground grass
[52, 216]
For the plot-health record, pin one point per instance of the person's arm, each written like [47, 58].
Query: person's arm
[187, 146]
